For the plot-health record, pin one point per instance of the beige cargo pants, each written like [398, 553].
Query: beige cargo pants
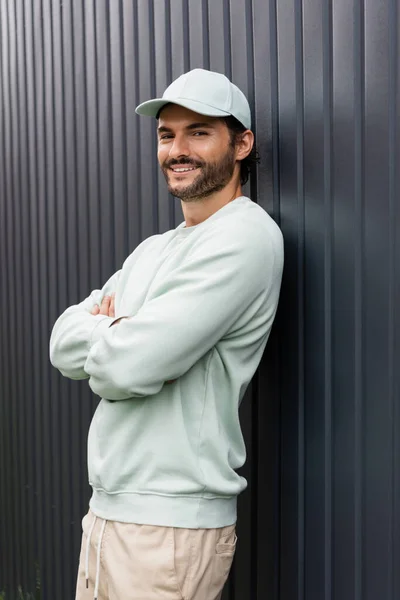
[123, 561]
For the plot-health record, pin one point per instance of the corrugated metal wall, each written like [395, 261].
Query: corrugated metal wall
[79, 189]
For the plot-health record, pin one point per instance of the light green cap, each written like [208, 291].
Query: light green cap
[205, 92]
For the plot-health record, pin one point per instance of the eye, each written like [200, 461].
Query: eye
[165, 136]
[197, 133]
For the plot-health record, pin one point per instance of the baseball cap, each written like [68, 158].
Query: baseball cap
[205, 92]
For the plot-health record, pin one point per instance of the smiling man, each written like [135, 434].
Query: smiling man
[170, 343]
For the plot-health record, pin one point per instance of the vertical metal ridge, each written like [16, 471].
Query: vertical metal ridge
[79, 19]
[92, 138]
[39, 310]
[29, 378]
[133, 134]
[186, 37]
[75, 22]
[53, 516]
[110, 128]
[168, 40]
[61, 282]
[140, 185]
[12, 296]
[250, 54]
[151, 17]
[6, 556]
[273, 31]
[206, 37]
[18, 306]
[124, 125]
[125, 251]
[299, 67]
[3, 480]
[85, 111]
[255, 441]
[12, 287]
[155, 214]
[70, 278]
[227, 38]
[328, 168]
[396, 270]
[106, 218]
[254, 500]
[359, 139]
[251, 79]
[44, 304]
[23, 325]
[273, 47]
[78, 57]
[393, 287]
[32, 153]
[168, 53]
[10, 472]
[256, 387]
[74, 247]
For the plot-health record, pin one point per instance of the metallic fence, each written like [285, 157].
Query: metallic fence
[79, 189]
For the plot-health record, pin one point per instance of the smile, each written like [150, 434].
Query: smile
[183, 169]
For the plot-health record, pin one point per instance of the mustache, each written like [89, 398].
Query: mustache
[173, 162]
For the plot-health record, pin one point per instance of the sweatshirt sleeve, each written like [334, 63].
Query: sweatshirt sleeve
[189, 311]
[76, 330]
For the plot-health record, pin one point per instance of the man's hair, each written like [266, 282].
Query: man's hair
[247, 165]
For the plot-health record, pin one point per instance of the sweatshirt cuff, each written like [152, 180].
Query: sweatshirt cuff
[103, 324]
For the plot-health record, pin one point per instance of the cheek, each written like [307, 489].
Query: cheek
[161, 155]
[209, 149]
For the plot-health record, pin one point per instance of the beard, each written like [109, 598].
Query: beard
[213, 176]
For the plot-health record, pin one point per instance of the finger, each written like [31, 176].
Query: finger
[95, 309]
[105, 304]
[111, 312]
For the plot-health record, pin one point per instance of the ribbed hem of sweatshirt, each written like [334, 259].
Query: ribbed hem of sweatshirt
[192, 512]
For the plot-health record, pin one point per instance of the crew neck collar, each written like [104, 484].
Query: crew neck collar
[183, 230]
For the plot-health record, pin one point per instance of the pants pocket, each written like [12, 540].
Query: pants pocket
[223, 559]
[227, 541]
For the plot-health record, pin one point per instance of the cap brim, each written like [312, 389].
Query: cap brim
[151, 108]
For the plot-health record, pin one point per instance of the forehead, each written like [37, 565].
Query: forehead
[174, 115]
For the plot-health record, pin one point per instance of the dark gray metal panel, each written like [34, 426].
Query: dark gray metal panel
[80, 188]
[266, 429]
[7, 563]
[318, 262]
[377, 428]
[345, 557]
[291, 107]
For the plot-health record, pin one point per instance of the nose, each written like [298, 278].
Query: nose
[179, 148]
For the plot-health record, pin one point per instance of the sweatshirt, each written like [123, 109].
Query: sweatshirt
[165, 441]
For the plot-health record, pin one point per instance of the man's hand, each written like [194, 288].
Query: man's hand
[107, 307]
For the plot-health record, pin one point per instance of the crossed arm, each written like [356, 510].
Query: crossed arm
[190, 309]
[107, 307]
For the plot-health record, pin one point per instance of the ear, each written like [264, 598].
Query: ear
[244, 144]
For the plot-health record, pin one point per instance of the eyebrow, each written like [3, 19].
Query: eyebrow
[199, 125]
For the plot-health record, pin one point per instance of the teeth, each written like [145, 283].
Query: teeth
[184, 169]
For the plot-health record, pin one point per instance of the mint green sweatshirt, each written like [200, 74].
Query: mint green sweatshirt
[200, 303]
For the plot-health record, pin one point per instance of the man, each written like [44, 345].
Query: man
[170, 344]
